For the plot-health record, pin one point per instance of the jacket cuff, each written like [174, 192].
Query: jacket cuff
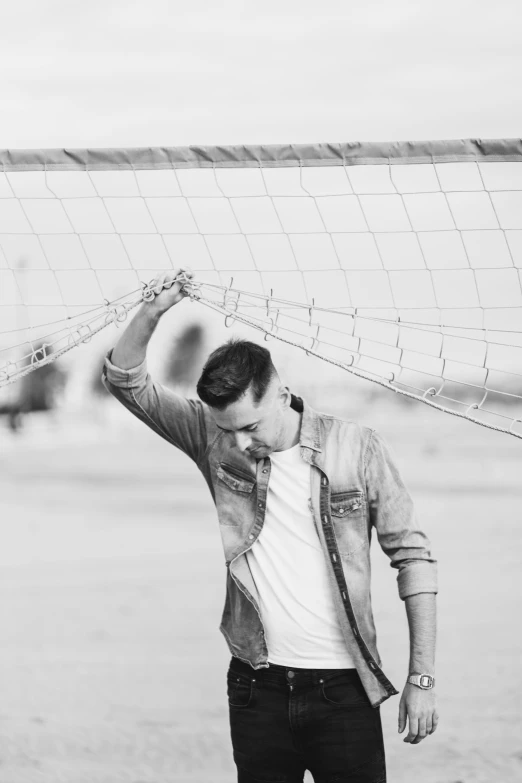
[417, 578]
[125, 379]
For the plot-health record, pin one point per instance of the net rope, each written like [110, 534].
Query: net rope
[405, 275]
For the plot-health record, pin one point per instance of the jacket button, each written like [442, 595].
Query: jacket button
[251, 536]
[265, 470]
[341, 511]
[260, 505]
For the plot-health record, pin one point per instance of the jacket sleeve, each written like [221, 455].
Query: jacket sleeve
[181, 421]
[393, 516]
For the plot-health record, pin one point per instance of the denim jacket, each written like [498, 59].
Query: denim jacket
[355, 489]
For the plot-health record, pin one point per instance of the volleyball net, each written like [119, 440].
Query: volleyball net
[400, 263]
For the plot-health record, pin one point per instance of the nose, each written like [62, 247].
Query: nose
[243, 440]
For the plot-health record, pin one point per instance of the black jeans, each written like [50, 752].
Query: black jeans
[284, 721]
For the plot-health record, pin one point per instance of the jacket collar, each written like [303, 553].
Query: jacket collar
[310, 436]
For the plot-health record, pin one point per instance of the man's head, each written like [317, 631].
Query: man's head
[241, 386]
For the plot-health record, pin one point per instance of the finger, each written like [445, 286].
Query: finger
[188, 276]
[435, 722]
[189, 272]
[153, 284]
[170, 281]
[159, 286]
[177, 273]
[414, 726]
[402, 717]
[421, 734]
[172, 277]
[429, 724]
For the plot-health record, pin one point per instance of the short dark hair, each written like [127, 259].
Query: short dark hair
[231, 369]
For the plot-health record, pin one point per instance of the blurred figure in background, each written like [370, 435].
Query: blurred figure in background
[37, 391]
[183, 364]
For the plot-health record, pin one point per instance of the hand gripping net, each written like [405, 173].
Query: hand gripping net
[400, 263]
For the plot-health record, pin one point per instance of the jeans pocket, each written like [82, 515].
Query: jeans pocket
[344, 690]
[239, 690]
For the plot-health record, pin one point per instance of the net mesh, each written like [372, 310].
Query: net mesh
[404, 271]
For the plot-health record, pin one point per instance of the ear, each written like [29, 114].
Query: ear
[285, 396]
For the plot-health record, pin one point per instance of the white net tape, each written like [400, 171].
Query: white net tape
[407, 275]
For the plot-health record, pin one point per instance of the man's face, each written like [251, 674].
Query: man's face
[257, 429]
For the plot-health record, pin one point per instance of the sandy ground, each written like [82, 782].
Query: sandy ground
[112, 669]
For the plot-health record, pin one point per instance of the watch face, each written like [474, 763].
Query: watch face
[426, 681]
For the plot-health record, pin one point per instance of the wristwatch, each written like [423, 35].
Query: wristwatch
[424, 681]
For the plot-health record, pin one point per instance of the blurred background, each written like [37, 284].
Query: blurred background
[112, 668]
[112, 665]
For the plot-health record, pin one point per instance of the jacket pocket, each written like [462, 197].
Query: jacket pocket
[235, 479]
[345, 503]
[349, 521]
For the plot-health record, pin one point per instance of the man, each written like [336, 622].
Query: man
[297, 495]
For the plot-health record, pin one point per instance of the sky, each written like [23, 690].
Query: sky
[113, 73]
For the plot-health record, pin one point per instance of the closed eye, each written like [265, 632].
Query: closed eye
[251, 428]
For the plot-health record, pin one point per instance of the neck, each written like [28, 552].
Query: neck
[292, 429]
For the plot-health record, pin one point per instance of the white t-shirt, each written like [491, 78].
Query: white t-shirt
[290, 571]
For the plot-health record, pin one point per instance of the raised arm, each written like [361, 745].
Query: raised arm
[131, 348]
[185, 423]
